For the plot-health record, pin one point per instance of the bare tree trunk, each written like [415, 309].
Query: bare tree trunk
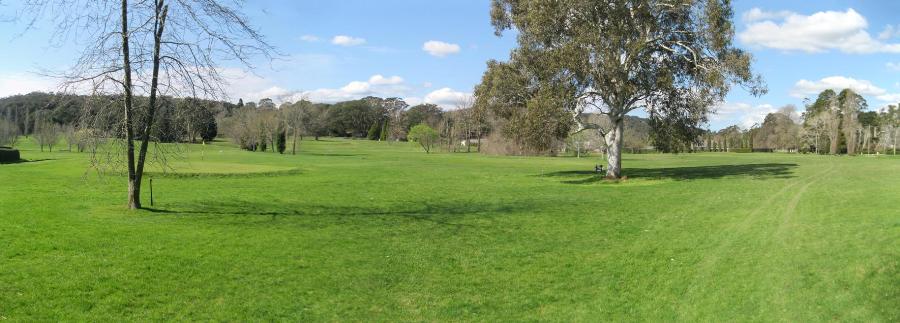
[834, 137]
[479, 140]
[294, 145]
[134, 190]
[866, 140]
[817, 141]
[161, 11]
[614, 142]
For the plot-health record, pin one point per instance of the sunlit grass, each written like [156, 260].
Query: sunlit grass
[360, 230]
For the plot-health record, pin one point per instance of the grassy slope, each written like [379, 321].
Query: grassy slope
[364, 230]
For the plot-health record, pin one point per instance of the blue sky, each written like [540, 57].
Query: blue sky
[435, 51]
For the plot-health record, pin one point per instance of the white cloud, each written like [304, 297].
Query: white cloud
[309, 38]
[439, 48]
[273, 92]
[447, 98]
[889, 32]
[742, 114]
[343, 40]
[250, 87]
[24, 83]
[357, 87]
[893, 66]
[377, 85]
[427, 85]
[890, 97]
[805, 87]
[378, 79]
[816, 33]
[412, 100]
[757, 14]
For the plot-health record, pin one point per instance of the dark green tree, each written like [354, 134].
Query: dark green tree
[281, 140]
[210, 130]
[426, 113]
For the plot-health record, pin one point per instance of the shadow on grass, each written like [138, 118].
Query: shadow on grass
[22, 161]
[334, 154]
[225, 175]
[755, 171]
[447, 214]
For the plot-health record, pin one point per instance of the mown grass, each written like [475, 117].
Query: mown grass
[359, 230]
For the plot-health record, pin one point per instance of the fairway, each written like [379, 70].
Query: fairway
[353, 230]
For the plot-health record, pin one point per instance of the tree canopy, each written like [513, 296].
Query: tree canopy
[675, 59]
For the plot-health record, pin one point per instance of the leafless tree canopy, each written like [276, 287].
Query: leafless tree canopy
[146, 48]
[199, 36]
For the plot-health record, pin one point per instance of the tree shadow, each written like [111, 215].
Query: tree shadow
[755, 171]
[452, 214]
[333, 154]
[23, 161]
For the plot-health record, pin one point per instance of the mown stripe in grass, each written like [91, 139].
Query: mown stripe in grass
[292, 171]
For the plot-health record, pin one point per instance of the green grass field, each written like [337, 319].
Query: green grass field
[368, 231]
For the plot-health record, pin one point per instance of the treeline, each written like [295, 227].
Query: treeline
[49, 117]
[258, 127]
[261, 126]
[835, 123]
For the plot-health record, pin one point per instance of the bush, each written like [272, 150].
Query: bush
[741, 150]
[9, 155]
[424, 135]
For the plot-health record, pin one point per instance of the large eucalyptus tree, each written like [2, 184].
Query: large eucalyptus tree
[673, 58]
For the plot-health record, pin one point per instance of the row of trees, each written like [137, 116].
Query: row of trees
[256, 128]
[834, 123]
[838, 121]
[50, 116]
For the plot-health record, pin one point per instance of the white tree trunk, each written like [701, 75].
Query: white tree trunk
[614, 144]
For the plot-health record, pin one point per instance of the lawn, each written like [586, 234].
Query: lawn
[369, 231]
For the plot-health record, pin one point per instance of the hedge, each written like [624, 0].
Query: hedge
[8, 155]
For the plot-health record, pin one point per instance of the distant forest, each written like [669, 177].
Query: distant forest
[258, 125]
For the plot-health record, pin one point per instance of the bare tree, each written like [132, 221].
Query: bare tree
[296, 116]
[465, 109]
[446, 129]
[171, 50]
[71, 135]
[27, 123]
[832, 120]
[46, 133]
[9, 133]
[243, 128]
[269, 122]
